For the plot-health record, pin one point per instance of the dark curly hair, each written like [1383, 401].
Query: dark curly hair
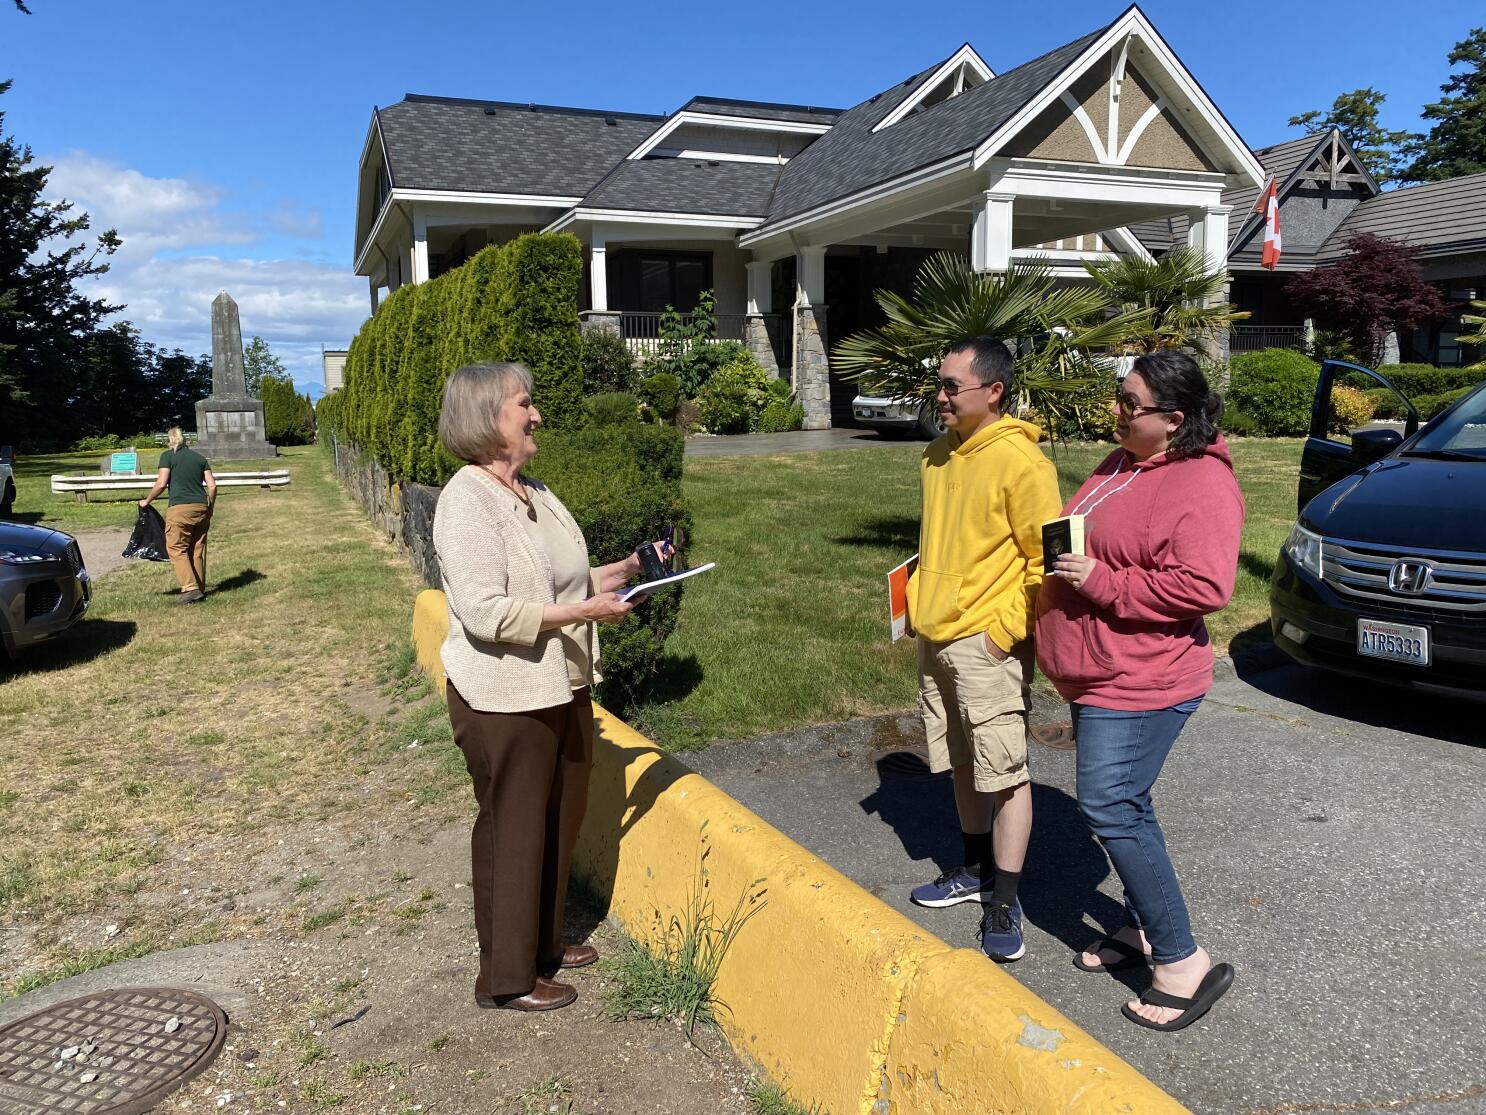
[1177, 383]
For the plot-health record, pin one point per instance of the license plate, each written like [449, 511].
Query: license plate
[867, 412]
[1397, 642]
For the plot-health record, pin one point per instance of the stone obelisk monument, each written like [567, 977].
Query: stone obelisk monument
[229, 421]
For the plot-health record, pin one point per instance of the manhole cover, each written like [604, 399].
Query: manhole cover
[110, 1053]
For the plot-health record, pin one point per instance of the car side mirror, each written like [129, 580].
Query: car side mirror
[1374, 443]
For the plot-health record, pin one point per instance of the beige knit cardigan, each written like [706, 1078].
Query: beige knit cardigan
[487, 560]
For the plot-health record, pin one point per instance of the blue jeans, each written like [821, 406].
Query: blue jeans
[1120, 754]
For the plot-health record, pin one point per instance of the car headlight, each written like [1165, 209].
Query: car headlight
[22, 557]
[1303, 548]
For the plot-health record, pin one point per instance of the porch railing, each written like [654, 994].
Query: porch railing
[641, 331]
[1252, 338]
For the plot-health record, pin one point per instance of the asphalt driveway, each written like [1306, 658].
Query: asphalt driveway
[1330, 837]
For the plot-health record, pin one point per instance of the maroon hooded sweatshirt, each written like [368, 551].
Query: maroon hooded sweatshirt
[1166, 535]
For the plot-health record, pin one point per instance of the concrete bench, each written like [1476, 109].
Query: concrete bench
[80, 486]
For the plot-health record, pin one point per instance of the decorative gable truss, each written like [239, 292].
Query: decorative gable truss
[965, 69]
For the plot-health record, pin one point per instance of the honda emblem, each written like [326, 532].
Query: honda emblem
[1409, 578]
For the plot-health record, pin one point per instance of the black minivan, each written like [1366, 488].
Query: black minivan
[1384, 573]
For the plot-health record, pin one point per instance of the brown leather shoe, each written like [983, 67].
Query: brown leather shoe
[573, 956]
[546, 995]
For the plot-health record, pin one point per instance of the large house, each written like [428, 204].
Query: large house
[794, 214]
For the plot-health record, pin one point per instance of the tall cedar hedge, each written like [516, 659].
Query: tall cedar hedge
[519, 302]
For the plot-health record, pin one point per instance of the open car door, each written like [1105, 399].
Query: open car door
[1326, 460]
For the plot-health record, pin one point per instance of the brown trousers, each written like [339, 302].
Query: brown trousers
[186, 525]
[530, 772]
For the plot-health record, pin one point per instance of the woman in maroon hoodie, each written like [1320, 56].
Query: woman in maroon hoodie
[1120, 634]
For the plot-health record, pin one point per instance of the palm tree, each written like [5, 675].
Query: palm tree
[1479, 321]
[1175, 290]
[1061, 337]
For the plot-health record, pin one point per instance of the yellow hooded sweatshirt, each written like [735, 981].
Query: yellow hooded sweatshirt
[980, 541]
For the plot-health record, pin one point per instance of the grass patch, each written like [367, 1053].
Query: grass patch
[362, 1070]
[438, 1043]
[770, 1099]
[803, 543]
[68, 962]
[326, 917]
[674, 977]
[553, 1096]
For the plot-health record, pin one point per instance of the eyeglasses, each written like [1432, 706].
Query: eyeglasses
[951, 388]
[1132, 407]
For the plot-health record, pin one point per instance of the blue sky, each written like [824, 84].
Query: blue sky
[222, 140]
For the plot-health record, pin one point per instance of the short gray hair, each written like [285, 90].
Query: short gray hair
[472, 400]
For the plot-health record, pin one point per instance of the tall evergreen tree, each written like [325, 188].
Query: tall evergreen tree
[1355, 115]
[259, 361]
[44, 319]
[1456, 141]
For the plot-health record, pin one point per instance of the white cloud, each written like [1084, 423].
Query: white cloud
[178, 254]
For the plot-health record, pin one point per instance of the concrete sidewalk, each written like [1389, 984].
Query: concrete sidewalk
[1330, 841]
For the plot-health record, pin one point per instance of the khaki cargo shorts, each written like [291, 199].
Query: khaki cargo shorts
[975, 709]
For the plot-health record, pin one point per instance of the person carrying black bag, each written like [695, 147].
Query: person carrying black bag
[193, 492]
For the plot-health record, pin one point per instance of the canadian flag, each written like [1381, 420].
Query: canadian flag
[1269, 205]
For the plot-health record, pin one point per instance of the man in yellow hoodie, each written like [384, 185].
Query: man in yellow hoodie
[987, 490]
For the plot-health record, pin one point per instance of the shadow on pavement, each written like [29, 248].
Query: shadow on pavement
[82, 642]
[1065, 865]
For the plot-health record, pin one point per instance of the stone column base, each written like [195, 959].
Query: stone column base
[599, 319]
[758, 335]
[812, 369]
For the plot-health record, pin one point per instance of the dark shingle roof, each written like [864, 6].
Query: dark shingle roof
[850, 157]
[1280, 160]
[437, 143]
[762, 110]
[1435, 217]
[687, 186]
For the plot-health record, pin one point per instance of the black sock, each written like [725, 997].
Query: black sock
[1003, 891]
[978, 852]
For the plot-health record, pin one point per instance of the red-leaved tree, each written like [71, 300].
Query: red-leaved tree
[1374, 290]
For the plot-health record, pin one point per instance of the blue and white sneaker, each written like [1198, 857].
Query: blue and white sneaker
[1001, 932]
[959, 885]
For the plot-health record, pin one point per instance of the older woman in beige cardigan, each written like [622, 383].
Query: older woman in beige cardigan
[520, 657]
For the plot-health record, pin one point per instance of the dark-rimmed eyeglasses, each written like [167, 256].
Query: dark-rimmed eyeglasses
[951, 388]
[1132, 407]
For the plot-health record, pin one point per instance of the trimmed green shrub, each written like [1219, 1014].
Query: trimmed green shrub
[536, 283]
[608, 363]
[1235, 423]
[1431, 405]
[661, 392]
[781, 417]
[1416, 380]
[288, 417]
[613, 408]
[734, 398]
[1350, 407]
[1275, 388]
[780, 389]
[623, 485]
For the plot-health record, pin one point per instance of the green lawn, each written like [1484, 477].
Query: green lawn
[791, 628]
[35, 502]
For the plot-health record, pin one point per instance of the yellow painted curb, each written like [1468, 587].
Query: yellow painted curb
[839, 998]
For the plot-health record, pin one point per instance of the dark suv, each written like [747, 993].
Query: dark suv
[1384, 573]
[44, 587]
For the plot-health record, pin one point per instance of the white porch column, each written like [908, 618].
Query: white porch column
[372, 286]
[760, 290]
[990, 237]
[420, 247]
[598, 273]
[760, 327]
[1207, 232]
[810, 275]
[812, 368]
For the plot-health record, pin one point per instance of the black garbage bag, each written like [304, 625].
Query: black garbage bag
[147, 543]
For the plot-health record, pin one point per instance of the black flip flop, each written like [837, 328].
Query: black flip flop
[1130, 956]
[1218, 980]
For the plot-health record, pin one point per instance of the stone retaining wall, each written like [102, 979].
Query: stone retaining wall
[403, 512]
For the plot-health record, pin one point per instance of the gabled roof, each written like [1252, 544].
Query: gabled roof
[687, 186]
[1435, 218]
[851, 157]
[1282, 160]
[762, 110]
[446, 143]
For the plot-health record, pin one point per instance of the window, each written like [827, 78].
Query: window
[649, 281]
